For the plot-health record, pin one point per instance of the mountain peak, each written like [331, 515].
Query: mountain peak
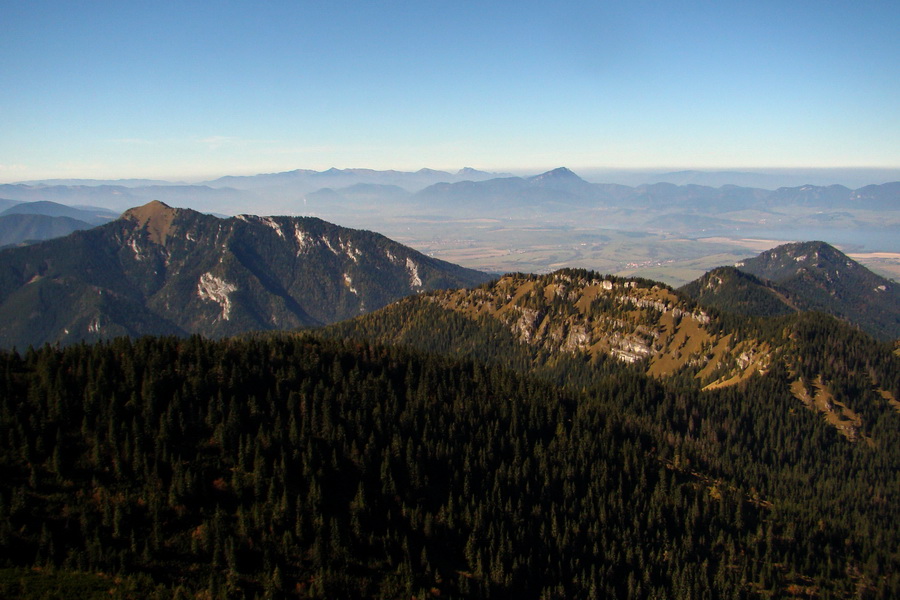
[156, 217]
[789, 258]
[560, 173]
[818, 276]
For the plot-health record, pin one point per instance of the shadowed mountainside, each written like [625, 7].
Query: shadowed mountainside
[807, 276]
[162, 270]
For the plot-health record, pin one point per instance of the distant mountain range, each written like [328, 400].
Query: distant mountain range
[24, 222]
[449, 192]
[768, 179]
[92, 215]
[302, 180]
[563, 188]
[536, 223]
[160, 270]
[119, 198]
[274, 192]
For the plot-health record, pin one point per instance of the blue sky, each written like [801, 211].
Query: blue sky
[198, 89]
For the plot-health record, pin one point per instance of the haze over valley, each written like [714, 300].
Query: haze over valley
[503, 223]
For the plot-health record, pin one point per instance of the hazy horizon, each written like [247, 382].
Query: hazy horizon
[193, 91]
[765, 178]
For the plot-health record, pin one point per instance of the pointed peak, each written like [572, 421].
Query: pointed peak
[152, 206]
[561, 172]
[800, 250]
[558, 174]
[156, 217]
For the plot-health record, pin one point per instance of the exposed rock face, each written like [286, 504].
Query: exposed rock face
[632, 321]
[216, 290]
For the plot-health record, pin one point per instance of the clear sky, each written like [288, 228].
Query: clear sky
[116, 89]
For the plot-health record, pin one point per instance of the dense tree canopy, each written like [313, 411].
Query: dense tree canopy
[296, 466]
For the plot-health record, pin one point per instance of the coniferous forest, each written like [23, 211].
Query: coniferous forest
[296, 466]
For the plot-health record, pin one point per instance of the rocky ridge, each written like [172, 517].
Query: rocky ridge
[630, 320]
[162, 270]
[536, 320]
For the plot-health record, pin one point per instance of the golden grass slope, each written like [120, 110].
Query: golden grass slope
[632, 321]
[155, 217]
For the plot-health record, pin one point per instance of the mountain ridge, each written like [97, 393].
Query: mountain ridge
[29, 228]
[231, 187]
[196, 273]
[579, 312]
[580, 322]
[92, 215]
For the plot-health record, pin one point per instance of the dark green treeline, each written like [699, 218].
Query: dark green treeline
[299, 467]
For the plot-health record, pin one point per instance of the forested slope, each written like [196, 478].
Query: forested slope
[573, 327]
[160, 270]
[300, 467]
